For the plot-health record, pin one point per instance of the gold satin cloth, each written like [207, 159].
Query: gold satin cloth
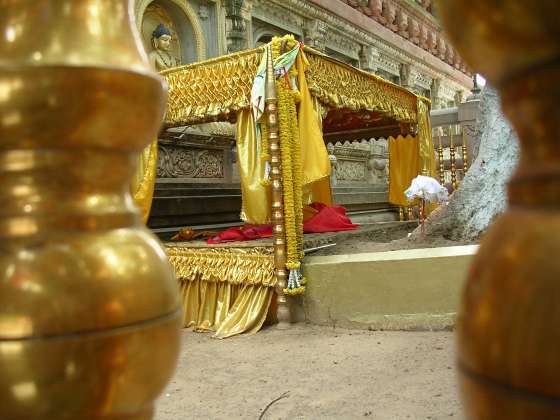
[211, 90]
[426, 152]
[339, 85]
[314, 155]
[226, 290]
[144, 179]
[256, 206]
[215, 89]
[403, 167]
[411, 156]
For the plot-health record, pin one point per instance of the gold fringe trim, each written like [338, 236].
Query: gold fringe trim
[339, 85]
[211, 90]
[214, 89]
[248, 266]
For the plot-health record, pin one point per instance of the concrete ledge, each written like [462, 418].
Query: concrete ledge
[416, 289]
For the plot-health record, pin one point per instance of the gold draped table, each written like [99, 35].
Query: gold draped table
[227, 288]
[224, 289]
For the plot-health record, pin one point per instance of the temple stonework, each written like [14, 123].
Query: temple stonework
[399, 40]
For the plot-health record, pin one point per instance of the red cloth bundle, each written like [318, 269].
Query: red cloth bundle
[325, 219]
[243, 233]
[328, 219]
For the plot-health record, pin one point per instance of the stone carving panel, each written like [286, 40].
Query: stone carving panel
[181, 162]
[353, 171]
[362, 162]
[369, 57]
[378, 163]
[404, 19]
[276, 15]
[335, 35]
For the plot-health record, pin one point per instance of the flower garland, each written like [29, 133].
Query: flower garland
[292, 174]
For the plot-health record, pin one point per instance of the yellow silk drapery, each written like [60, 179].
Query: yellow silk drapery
[403, 167]
[144, 179]
[411, 156]
[256, 197]
[226, 290]
[315, 158]
[314, 155]
[426, 153]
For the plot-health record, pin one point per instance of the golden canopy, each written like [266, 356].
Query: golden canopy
[216, 89]
[333, 97]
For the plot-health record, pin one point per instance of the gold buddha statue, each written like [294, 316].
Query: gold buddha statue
[161, 57]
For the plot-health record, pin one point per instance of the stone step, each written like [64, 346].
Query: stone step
[392, 290]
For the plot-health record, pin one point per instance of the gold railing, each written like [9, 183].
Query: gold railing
[452, 155]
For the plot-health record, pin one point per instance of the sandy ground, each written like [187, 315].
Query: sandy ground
[320, 373]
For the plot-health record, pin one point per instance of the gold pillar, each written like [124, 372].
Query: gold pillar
[89, 307]
[279, 238]
[509, 322]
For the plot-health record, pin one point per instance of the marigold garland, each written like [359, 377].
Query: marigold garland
[285, 115]
[292, 172]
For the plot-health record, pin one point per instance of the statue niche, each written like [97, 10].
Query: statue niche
[161, 56]
[162, 36]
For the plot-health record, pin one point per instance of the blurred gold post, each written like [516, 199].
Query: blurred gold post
[508, 324]
[89, 305]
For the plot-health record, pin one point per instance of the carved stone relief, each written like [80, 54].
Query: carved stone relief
[389, 65]
[192, 156]
[390, 15]
[378, 163]
[414, 32]
[236, 32]
[347, 42]
[369, 58]
[408, 76]
[402, 23]
[340, 43]
[189, 163]
[353, 171]
[315, 34]
[362, 162]
[275, 15]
